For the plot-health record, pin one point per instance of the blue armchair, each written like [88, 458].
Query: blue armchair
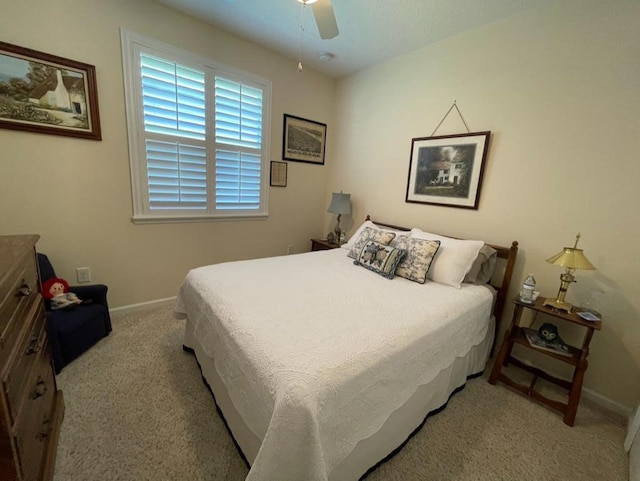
[72, 331]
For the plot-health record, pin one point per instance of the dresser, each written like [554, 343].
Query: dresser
[31, 406]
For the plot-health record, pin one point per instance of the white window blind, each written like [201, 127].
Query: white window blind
[173, 103]
[237, 180]
[198, 147]
[177, 175]
[173, 98]
[238, 124]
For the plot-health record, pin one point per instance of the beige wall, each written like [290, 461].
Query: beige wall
[560, 90]
[76, 193]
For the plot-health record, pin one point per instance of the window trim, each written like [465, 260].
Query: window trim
[132, 44]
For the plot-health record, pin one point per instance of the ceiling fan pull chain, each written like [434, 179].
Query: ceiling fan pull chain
[301, 36]
[445, 116]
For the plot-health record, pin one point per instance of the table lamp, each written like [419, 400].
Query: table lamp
[340, 204]
[571, 258]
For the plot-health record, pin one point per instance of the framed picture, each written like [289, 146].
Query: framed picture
[46, 94]
[447, 170]
[278, 174]
[303, 140]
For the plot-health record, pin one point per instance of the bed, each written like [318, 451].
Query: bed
[322, 368]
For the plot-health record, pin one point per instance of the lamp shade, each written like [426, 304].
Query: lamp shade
[571, 258]
[340, 204]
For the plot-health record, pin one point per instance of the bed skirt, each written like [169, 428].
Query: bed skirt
[393, 434]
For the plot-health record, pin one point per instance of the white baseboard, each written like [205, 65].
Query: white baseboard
[121, 311]
[606, 403]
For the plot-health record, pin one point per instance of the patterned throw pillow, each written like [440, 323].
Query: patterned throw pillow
[369, 234]
[420, 254]
[379, 258]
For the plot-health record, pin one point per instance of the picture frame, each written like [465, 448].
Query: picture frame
[447, 170]
[47, 94]
[278, 177]
[303, 140]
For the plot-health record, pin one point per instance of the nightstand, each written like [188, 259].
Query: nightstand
[322, 245]
[576, 357]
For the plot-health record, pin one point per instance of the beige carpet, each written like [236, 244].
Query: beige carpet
[136, 409]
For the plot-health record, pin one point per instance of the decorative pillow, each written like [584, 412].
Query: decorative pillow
[420, 254]
[483, 267]
[354, 238]
[356, 235]
[453, 260]
[380, 258]
[370, 234]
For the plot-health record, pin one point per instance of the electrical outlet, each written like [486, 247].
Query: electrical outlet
[83, 274]
[290, 249]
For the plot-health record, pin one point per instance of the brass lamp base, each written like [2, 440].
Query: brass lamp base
[559, 305]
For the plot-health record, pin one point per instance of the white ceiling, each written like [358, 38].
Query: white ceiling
[371, 31]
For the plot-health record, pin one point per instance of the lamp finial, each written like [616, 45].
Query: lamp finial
[577, 239]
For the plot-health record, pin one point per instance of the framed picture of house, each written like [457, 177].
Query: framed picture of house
[447, 170]
[43, 93]
[303, 140]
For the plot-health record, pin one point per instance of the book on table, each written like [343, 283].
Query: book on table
[557, 346]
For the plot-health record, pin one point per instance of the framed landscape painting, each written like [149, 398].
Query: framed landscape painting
[447, 170]
[47, 94]
[303, 140]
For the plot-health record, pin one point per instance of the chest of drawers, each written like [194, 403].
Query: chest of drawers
[31, 406]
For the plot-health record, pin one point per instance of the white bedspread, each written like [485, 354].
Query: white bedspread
[316, 352]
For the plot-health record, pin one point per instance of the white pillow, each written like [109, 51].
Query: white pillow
[352, 240]
[453, 260]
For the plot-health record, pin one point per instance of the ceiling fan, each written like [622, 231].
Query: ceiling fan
[325, 18]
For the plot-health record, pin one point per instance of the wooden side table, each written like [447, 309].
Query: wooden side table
[322, 245]
[577, 357]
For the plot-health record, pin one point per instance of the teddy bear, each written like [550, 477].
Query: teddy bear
[57, 291]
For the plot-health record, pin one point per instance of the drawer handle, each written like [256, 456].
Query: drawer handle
[33, 347]
[40, 390]
[24, 290]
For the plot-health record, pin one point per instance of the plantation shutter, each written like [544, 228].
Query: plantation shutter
[198, 135]
[174, 113]
[238, 136]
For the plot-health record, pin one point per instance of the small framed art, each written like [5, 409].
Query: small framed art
[447, 170]
[43, 93]
[303, 140]
[278, 176]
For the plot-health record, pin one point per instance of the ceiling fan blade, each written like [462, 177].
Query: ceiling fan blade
[325, 19]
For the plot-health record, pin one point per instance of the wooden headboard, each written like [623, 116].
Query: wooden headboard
[501, 285]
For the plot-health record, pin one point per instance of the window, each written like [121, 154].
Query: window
[198, 135]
